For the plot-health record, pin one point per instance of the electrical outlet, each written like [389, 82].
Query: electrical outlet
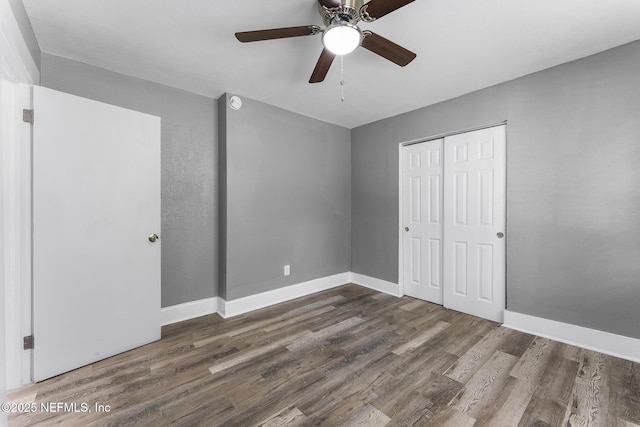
[287, 270]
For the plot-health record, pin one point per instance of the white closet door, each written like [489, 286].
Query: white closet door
[422, 219]
[96, 201]
[474, 222]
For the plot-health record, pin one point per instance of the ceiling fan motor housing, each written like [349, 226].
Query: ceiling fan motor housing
[343, 11]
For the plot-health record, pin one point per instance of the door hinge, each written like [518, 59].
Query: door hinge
[27, 342]
[27, 116]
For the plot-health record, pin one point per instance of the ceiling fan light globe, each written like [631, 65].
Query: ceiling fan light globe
[341, 38]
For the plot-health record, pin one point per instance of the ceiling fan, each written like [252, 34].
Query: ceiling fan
[341, 34]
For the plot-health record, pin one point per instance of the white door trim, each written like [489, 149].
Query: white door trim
[400, 218]
[16, 221]
[401, 145]
[17, 70]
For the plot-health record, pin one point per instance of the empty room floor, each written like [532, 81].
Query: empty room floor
[349, 356]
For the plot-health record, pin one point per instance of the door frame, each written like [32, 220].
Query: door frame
[18, 71]
[16, 221]
[401, 200]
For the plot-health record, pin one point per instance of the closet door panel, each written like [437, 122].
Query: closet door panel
[475, 222]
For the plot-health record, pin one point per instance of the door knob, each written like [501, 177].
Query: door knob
[153, 238]
[500, 235]
[406, 229]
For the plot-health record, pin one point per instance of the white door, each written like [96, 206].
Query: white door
[474, 222]
[96, 201]
[422, 220]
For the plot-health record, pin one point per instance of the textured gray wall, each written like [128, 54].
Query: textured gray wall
[189, 168]
[25, 28]
[573, 193]
[287, 201]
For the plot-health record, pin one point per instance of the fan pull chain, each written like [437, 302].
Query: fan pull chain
[342, 78]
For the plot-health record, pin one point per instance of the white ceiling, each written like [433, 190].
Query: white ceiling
[462, 46]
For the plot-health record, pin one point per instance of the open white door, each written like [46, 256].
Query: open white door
[422, 220]
[474, 222]
[96, 201]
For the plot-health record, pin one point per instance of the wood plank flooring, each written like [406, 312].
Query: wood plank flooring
[349, 356]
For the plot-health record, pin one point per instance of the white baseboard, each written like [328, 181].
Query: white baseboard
[592, 339]
[376, 284]
[266, 299]
[189, 310]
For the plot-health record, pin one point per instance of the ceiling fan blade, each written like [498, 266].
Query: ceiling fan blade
[387, 49]
[277, 33]
[376, 9]
[322, 66]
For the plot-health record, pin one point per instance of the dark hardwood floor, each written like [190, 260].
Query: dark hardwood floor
[345, 357]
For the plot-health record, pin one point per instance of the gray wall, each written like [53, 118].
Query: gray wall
[287, 198]
[189, 167]
[25, 28]
[296, 191]
[573, 193]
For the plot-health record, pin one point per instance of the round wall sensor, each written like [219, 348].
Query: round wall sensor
[235, 102]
